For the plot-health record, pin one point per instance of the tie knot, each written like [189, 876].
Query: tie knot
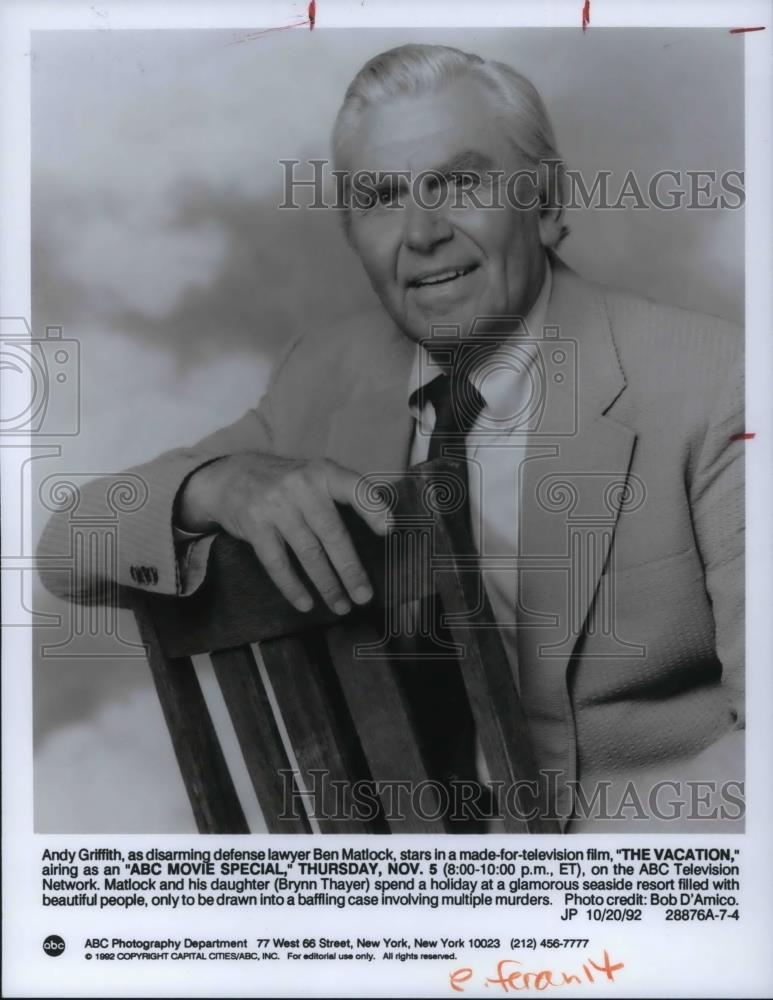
[457, 405]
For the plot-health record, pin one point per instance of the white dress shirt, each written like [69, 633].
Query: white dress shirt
[495, 449]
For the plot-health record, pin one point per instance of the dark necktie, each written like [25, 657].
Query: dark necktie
[457, 405]
[434, 688]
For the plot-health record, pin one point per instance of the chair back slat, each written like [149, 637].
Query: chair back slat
[211, 791]
[260, 740]
[381, 717]
[320, 729]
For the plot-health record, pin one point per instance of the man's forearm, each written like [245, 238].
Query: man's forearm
[197, 499]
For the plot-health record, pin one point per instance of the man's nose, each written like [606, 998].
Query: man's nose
[425, 228]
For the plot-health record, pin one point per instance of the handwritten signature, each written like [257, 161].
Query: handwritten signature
[511, 975]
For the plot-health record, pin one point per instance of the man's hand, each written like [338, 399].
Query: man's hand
[272, 502]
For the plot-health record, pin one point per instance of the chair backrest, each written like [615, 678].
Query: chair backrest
[323, 700]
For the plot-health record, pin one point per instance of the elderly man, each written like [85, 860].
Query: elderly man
[607, 509]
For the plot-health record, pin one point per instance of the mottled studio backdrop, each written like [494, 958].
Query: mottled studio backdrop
[157, 244]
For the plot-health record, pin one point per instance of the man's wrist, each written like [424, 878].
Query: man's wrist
[196, 500]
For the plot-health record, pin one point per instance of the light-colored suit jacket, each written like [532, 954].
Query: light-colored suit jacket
[630, 580]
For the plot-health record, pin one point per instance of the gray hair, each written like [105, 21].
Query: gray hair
[412, 69]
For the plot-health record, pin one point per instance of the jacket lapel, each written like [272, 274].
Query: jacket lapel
[372, 431]
[572, 484]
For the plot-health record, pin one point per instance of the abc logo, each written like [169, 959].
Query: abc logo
[53, 945]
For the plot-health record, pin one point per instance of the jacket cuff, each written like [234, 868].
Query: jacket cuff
[192, 552]
[149, 554]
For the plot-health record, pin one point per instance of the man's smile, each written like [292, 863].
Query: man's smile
[441, 275]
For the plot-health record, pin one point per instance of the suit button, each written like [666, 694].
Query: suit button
[144, 575]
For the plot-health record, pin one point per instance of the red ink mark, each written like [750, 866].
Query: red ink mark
[312, 14]
[585, 16]
[740, 31]
[746, 436]
[512, 976]
[458, 977]
[299, 23]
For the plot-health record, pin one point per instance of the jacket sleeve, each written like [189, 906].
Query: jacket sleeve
[145, 549]
[717, 499]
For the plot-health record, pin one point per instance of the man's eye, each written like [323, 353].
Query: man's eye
[387, 196]
[436, 183]
[466, 179]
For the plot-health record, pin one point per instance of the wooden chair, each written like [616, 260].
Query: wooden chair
[328, 690]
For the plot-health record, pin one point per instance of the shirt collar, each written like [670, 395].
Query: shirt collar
[495, 381]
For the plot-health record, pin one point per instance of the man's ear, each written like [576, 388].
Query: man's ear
[551, 227]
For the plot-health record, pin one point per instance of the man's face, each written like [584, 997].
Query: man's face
[451, 264]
